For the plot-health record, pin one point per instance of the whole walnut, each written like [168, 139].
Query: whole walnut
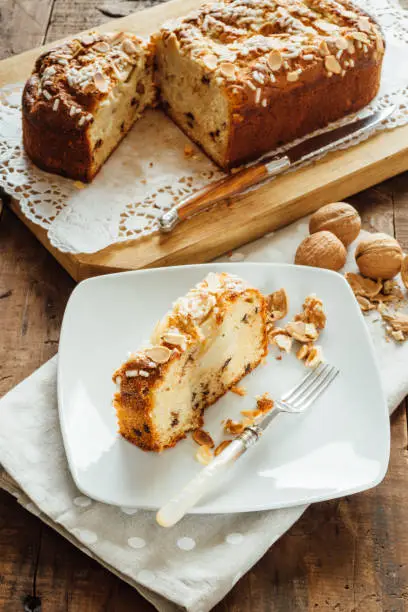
[379, 256]
[321, 250]
[340, 218]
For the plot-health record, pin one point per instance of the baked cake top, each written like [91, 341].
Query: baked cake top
[69, 81]
[182, 326]
[249, 45]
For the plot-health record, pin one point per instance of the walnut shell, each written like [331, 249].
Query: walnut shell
[404, 271]
[321, 250]
[340, 218]
[379, 256]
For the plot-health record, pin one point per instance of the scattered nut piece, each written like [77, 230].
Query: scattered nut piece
[379, 256]
[204, 455]
[278, 304]
[233, 427]
[398, 336]
[251, 414]
[221, 447]
[363, 286]
[238, 390]
[313, 312]
[303, 351]
[314, 357]
[302, 332]
[321, 250]
[339, 218]
[203, 438]
[398, 320]
[158, 354]
[283, 342]
[364, 303]
[331, 64]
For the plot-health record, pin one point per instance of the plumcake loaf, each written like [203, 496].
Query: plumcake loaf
[242, 77]
[211, 338]
[82, 98]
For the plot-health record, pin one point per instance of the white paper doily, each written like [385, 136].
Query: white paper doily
[149, 172]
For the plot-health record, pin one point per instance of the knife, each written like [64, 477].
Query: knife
[267, 167]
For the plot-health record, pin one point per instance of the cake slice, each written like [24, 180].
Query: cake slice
[82, 98]
[211, 338]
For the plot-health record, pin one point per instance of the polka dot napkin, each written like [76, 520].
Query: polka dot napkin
[197, 562]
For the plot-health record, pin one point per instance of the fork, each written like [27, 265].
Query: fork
[296, 401]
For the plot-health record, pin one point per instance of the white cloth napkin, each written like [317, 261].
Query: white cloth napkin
[193, 565]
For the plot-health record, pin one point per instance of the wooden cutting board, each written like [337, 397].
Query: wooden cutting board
[227, 225]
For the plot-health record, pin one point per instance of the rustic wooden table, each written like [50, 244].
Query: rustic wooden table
[345, 555]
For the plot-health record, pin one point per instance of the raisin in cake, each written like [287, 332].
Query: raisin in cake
[211, 338]
[82, 98]
[243, 77]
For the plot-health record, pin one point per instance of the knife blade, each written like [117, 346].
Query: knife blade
[268, 166]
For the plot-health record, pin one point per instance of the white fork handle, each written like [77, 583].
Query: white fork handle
[202, 483]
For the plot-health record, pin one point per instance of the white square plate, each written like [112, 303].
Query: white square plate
[340, 446]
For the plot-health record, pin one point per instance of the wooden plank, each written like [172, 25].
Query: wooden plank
[228, 226]
[23, 25]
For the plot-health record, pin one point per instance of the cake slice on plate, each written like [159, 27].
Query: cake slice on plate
[211, 338]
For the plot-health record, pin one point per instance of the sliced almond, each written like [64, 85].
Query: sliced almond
[326, 26]
[239, 390]
[175, 339]
[204, 455]
[221, 447]
[251, 414]
[100, 82]
[274, 60]
[102, 47]
[128, 47]
[323, 48]
[341, 43]
[331, 64]
[292, 76]
[364, 24]
[158, 354]
[267, 29]
[398, 336]
[350, 47]
[361, 37]
[203, 438]
[210, 61]
[379, 42]
[227, 69]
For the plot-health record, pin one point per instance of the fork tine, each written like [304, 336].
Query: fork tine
[304, 383]
[319, 385]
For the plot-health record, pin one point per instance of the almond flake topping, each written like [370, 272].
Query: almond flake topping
[102, 47]
[341, 43]
[323, 48]
[128, 47]
[364, 24]
[131, 373]
[227, 69]
[210, 61]
[274, 60]
[361, 37]
[175, 339]
[158, 354]
[292, 76]
[100, 82]
[332, 65]
[326, 26]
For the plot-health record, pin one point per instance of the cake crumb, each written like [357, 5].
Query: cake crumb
[238, 390]
[278, 358]
[203, 438]
[264, 403]
[79, 185]
[188, 151]
[233, 427]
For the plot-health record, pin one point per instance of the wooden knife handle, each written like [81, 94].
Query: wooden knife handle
[231, 185]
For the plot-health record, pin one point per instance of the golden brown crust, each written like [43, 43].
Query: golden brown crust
[285, 68]
[66, 88]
